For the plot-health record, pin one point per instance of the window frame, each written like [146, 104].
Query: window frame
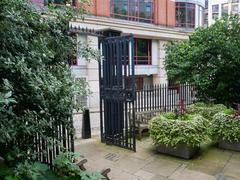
[145, 60]
[223, 6]
[135, 15]
[186, 7]
[215, 12]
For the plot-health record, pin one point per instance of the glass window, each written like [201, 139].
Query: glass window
[215, 8]
[185, 15]
[235, 7]
[133, 10]
[224, 9]
[143, 51]
[215, 11]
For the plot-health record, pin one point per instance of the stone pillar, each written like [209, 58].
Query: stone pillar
[93, 77]
[197, 13]
[161, 77]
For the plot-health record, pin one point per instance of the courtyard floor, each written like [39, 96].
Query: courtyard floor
[213, 164]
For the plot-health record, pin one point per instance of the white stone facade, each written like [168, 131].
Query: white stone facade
[152, 74]
[156, 71]
[230, 6]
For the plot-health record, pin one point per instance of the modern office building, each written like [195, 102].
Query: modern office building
[219, 8]
[152, 22]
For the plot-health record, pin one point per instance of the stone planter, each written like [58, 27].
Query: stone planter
[181, 150]
[225, 144]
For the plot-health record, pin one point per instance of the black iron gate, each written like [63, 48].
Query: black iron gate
[117, 92]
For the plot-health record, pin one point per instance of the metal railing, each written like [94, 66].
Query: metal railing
[164, 97]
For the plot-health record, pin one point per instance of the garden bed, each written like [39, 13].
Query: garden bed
[225, 144]
[206, 110]
[179, 135]
[226, 131]
[180, 150]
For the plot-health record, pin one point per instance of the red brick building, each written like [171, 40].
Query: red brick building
[152, 22]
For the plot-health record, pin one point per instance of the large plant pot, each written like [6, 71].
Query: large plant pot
[182, 150]
[225, 144]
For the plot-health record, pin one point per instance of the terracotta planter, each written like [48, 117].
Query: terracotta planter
[182, 150]
[225, 144]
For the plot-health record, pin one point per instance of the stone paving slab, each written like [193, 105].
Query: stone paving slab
[147, 164]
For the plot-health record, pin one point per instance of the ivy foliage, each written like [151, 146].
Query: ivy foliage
[67, 170]
[64, 170]
[210, 60]
[226, 127]
[172, 130]
[36, 84]
[208, 110]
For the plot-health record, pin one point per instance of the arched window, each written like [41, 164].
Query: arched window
[133, 10]
[185, 15]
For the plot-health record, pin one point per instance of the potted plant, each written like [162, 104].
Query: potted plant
[206, 110]
[179, 135]
[226, 130]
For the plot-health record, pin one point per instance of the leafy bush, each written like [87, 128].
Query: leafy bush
[169, 115]
[229, 111]
[67, 169]
[207, 110]
[35, 52]
[226, 127]
[27, 170]
[187, 129]
[208, 60]
[64, 169]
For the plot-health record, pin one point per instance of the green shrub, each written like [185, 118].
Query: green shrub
[27, 170]
[69, 170]
[37, 87]
[64, 169]
[169, 115]
[187, 129]
[207, 110]
[229, 111]
[226, 127]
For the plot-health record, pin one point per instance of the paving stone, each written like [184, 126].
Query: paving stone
[183, 173]
[159, 177]
[232, 169]
[161, 167]
[235, 157]
[125, 176]
[131, 165]
[207, 167]
[214, 155]
[144, 174]
[147, 164]
[142, 154]
[220, 176]
[230, 178]
[211, 162]
[161, 156]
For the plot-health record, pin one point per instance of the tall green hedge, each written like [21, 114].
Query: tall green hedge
[34, 61]
[209, 60]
